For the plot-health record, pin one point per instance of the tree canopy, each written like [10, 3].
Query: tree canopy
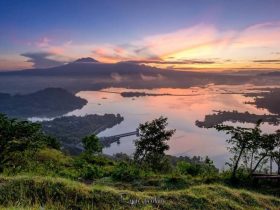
[152, 144]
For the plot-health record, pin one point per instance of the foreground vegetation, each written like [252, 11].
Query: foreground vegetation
[57, 193]
[37, 174]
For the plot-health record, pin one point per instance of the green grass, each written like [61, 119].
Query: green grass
[35, 192]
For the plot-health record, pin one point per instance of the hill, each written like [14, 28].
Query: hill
[86, 60]
[49, 102]
[57, 193]
[36, 174]
[273, 73]
[88, 67]
[70, 130]
[89, 74]
[77, 76]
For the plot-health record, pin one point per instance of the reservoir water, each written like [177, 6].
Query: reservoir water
[182, 107]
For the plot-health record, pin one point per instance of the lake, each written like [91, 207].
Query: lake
[183, 107]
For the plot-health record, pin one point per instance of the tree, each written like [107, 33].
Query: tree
[92, 145]
[152, 144]
[19, 136]
[249, 145]
[275, 154]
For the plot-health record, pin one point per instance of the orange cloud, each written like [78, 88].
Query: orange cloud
[259, 35]
[198, 42]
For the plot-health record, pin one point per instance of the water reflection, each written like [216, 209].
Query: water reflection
[182, 112]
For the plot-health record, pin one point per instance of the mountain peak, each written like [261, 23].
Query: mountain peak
[86, 60]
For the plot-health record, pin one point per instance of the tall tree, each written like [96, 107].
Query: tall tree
[275, 154]
[249, 145]
[152, 144]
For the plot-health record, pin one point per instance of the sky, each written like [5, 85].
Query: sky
[177, 34]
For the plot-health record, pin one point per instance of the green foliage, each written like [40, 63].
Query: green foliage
[72, 129]
[121, 157]
[196, 166]
[44, 162]
[25, 150]
[243, 177]
[91, 167]
[127, 172]
[250, 145]
[152, 144]
[20, 136]
[48, 193]
[92, 145]
[175, 181]
[196, 169]
[87, 171]
[90, 163]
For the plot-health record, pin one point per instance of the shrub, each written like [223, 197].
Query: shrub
[175, 181]
[126, 172]
[196, 169]
[87, 170]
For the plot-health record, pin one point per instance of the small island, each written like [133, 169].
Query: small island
[50, 102]
[235, 116]
[269, 100]
[142, 94]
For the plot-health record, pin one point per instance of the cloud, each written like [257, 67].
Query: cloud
[184, 43]
[192, 45]
[267, 61]
[151, 78]
[44, 42]
[259, 35]
[172, 62]
[195, 46]
[42, 59]
[117, 77]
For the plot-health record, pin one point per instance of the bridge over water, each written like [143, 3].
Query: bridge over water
[108, 140]
[123, 134]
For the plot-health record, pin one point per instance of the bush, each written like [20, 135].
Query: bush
[126, 172]
[242, 178]
[175, 182]
[45, 162]
[87, 170]
[195, 169]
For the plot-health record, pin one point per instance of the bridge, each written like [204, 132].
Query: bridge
[136, 133]
[108, 140]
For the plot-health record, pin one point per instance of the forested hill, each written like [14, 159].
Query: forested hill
[49, 102]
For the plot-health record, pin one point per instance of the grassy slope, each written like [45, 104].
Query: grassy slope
[23, 192]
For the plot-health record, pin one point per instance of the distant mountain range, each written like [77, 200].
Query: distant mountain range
[86, 60]
[273, 73]
[85, 67]
[89, 74]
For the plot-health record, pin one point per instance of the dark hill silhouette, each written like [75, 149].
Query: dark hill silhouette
[49, 102]
[86, 60]
[269, 74]
[88, 67]
[89, 74]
